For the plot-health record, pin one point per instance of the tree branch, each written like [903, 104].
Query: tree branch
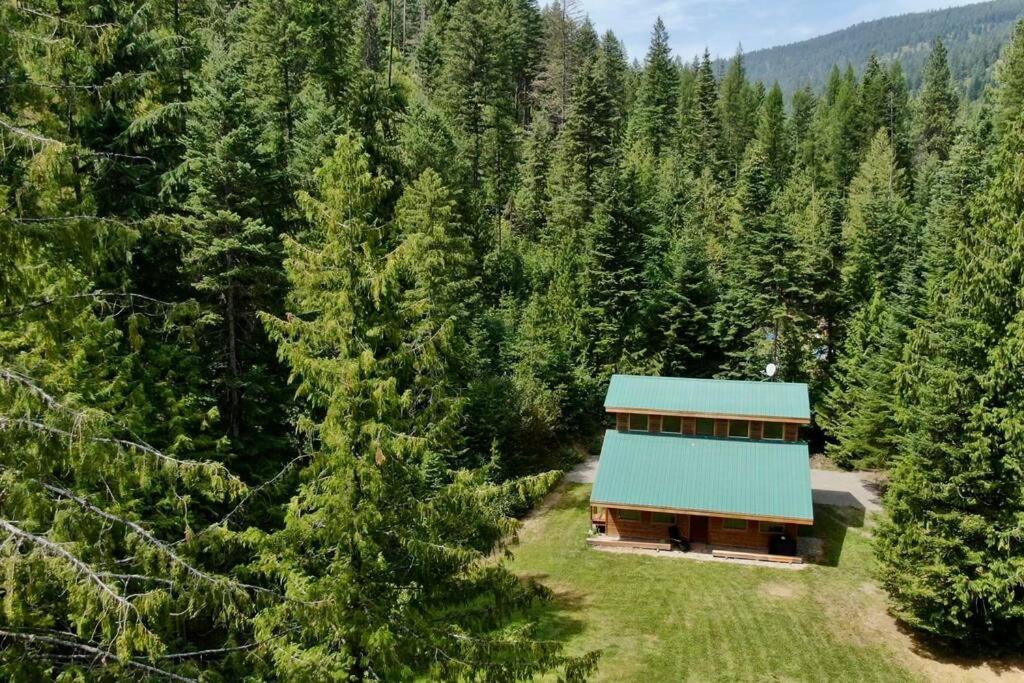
[96, 651]
[55, 549]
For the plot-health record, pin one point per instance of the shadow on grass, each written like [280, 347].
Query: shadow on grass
[555, 616]
[953, 654]
[831, 523]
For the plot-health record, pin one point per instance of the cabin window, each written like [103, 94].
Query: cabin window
[638, 423]
[663, 518]
[771, 430]
[628, 515]
[735, 524]
[772, 528]
[740, 428]
[673, 423]
[705, 426]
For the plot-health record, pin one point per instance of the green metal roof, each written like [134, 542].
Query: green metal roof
[756, 478]
[709, 396]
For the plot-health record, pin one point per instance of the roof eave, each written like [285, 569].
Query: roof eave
[721, 416]
[705, 513]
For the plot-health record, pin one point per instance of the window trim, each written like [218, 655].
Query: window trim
[731, 520]
[782, 431]
[646, 422]
[672, 417]
[737, 436]
[705, 420]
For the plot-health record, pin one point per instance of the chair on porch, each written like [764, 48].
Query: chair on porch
[679, 541]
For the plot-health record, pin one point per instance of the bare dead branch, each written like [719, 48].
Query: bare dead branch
[80, 566]
[96, 296]
[95, 651]
[269, 482]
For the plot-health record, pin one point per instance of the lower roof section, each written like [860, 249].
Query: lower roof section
[755, 479]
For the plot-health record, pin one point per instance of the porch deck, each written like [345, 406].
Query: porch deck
[701, 550]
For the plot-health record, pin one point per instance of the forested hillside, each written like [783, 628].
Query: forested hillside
[302, 303]
[973, 35]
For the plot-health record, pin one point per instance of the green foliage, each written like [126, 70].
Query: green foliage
[304, 302]
[655, 104]
[948, 555]
[385, 548]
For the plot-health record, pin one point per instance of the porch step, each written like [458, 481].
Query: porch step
[628, 543]
[763, 557]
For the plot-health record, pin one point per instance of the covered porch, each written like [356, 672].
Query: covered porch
[665, 529]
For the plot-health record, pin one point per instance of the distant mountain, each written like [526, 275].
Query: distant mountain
[973, 34]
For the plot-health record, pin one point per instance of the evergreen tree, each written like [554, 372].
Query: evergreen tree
[948, 558]
[738, 103]
[655, 106]
[773, 135]
[857, 411]
[756, 268]
[879, 232]
[232, 253]
[704, 122]
[936, 107]
[383, 549]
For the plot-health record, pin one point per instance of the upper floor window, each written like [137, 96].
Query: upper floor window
[739, 428]
[772, 430]
[672, 423]
[637, 423]
[705, 426]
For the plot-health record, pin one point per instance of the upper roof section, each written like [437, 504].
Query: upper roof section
[782, 401]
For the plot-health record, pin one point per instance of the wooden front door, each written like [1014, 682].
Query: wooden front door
[698, 529]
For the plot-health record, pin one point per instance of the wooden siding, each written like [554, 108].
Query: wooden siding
[751, 537]
[689, 425]
[791, 431]
[647, 529]
[642, 528]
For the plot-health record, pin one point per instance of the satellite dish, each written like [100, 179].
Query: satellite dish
[770, 369]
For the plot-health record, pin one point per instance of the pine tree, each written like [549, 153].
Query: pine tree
[755, 271]
[936, 108]
[561, 60]
[840, 129]
[232, 254]
[857, 412]
[407, 542]
[655, 107]
[738, 103]
[704, 122]
[773, 135]
[947, 554]
[879, 233]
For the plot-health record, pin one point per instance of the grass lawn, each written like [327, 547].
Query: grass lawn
[664, 619]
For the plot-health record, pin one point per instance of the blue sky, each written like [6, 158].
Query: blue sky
[722, 24]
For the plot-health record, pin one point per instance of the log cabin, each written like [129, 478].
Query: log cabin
[717, 462]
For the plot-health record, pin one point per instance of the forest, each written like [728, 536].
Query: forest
[973, 35]
[304, 304]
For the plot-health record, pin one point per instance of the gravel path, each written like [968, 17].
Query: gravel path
[829, 487]
[846, 489]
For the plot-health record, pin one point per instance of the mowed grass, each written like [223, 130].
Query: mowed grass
[669, 619]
